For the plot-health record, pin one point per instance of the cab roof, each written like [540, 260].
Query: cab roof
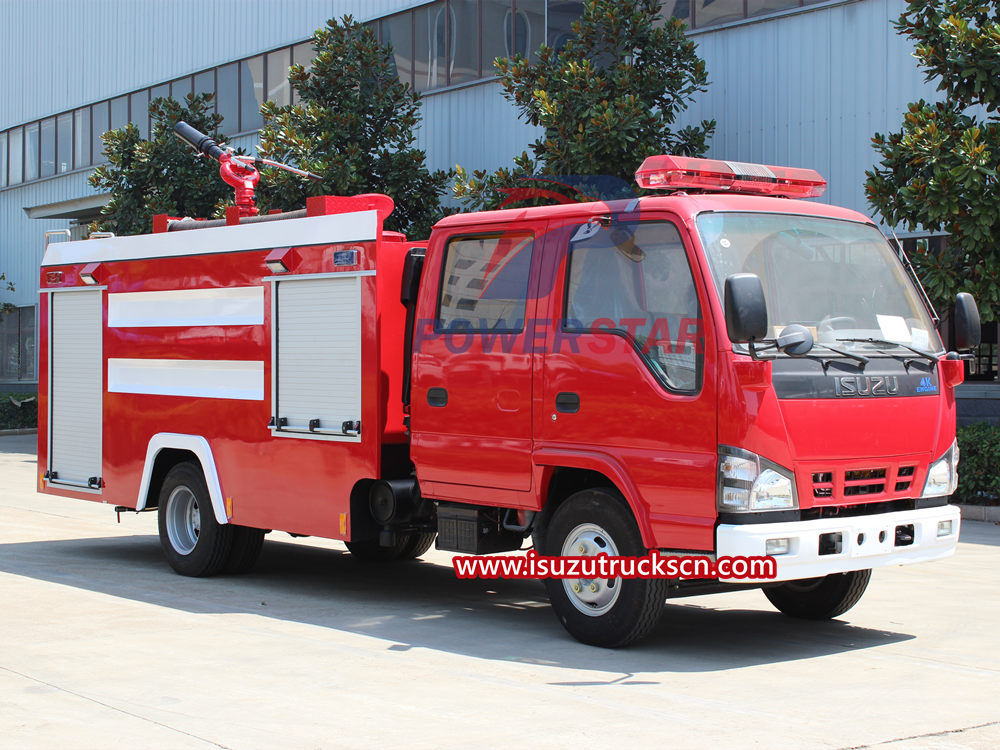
[686, 205]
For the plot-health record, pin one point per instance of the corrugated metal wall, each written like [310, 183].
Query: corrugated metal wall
[65, 53]
[809, 90]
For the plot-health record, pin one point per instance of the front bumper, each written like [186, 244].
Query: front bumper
[860, 545]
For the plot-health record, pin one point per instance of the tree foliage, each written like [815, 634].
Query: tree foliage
[160, 175]
[354, 126]
[8, 286]
[606, 100]
[940, 170]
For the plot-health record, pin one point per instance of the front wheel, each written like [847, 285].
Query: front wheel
[601, 612]
[819, 598]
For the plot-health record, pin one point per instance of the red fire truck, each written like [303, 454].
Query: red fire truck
[722, 368]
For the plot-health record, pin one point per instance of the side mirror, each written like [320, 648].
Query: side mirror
[968, 330]
[746, 309]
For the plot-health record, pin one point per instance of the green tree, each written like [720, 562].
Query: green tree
[607, 100]
[939, 171]
[6, 307]
[354, 126]
[160, 175]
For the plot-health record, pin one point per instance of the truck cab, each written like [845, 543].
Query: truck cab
[588, 351]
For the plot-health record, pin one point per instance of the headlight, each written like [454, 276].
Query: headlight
[750, 483]
[942, 479]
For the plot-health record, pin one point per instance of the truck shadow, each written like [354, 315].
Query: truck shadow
[423, 605]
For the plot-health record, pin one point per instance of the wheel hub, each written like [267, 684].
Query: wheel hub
[592, 596]
[183, 520]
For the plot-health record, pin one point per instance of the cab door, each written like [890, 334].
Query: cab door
[471, 399]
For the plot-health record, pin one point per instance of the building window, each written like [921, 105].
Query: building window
[251, 93]
[31, 151]
[278, 64]
[3, 160]
[48, 146]
[81, 138]
[227, 97]
[17, 344]
[64, 142]
[139, 107]
[99, 125]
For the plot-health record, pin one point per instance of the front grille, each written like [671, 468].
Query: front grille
[870, 482]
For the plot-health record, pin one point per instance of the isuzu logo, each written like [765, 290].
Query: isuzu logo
[867, 385]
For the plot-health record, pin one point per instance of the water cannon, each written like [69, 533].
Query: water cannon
[236, 170]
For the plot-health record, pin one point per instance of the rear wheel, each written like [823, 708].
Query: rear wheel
[194, 542]
[601, 612]
[819, 598]
[405, 547]
[247, 543]
[417, 545]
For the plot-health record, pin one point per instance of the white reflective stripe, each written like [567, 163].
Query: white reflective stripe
[213, 378]
[314, 230]
[230, 306]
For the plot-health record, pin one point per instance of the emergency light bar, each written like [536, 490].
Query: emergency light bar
[714, 175]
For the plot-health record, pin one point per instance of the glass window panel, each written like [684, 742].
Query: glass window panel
[26, 347]
[251, 93]
[529, 27]
[159, 92]
[677, 9]
[81, 138]
[227, 97]
[303, 54]
[638, 272]
[708, 12]
[757, 7]
[561, 17]
[64, 143]
[15, 158]
[3, 160]
[398, 33]
[48, 148]
[139, 103]
[204, 83]
[486, 283]
[496, 33]
[31, 152]
[99, 125]
[430, 28]
[119, 112]
[180, 88]
[278, 63]
[464, 41]
[9, 345]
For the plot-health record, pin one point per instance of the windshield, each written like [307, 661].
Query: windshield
[840, 279]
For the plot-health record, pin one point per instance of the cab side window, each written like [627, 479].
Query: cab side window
[485, 282]
[633, 279]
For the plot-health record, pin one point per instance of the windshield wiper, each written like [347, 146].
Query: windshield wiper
[920, 352]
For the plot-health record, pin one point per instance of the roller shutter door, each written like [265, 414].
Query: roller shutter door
[318, 355]
[76, 387]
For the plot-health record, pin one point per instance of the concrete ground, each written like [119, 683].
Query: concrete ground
[102, 645]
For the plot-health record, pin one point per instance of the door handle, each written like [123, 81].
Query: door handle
[567, 402]
[437, 396]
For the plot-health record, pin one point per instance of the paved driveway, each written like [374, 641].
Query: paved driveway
[102, 645]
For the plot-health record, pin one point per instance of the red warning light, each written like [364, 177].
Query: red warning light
[715, 175]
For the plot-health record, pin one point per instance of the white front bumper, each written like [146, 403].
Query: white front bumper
[861, 547]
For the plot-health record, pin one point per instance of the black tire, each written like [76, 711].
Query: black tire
[417, 545]
[194, 542]
[636, 608]
[247, 543]
[370, 550]
[819, 598]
